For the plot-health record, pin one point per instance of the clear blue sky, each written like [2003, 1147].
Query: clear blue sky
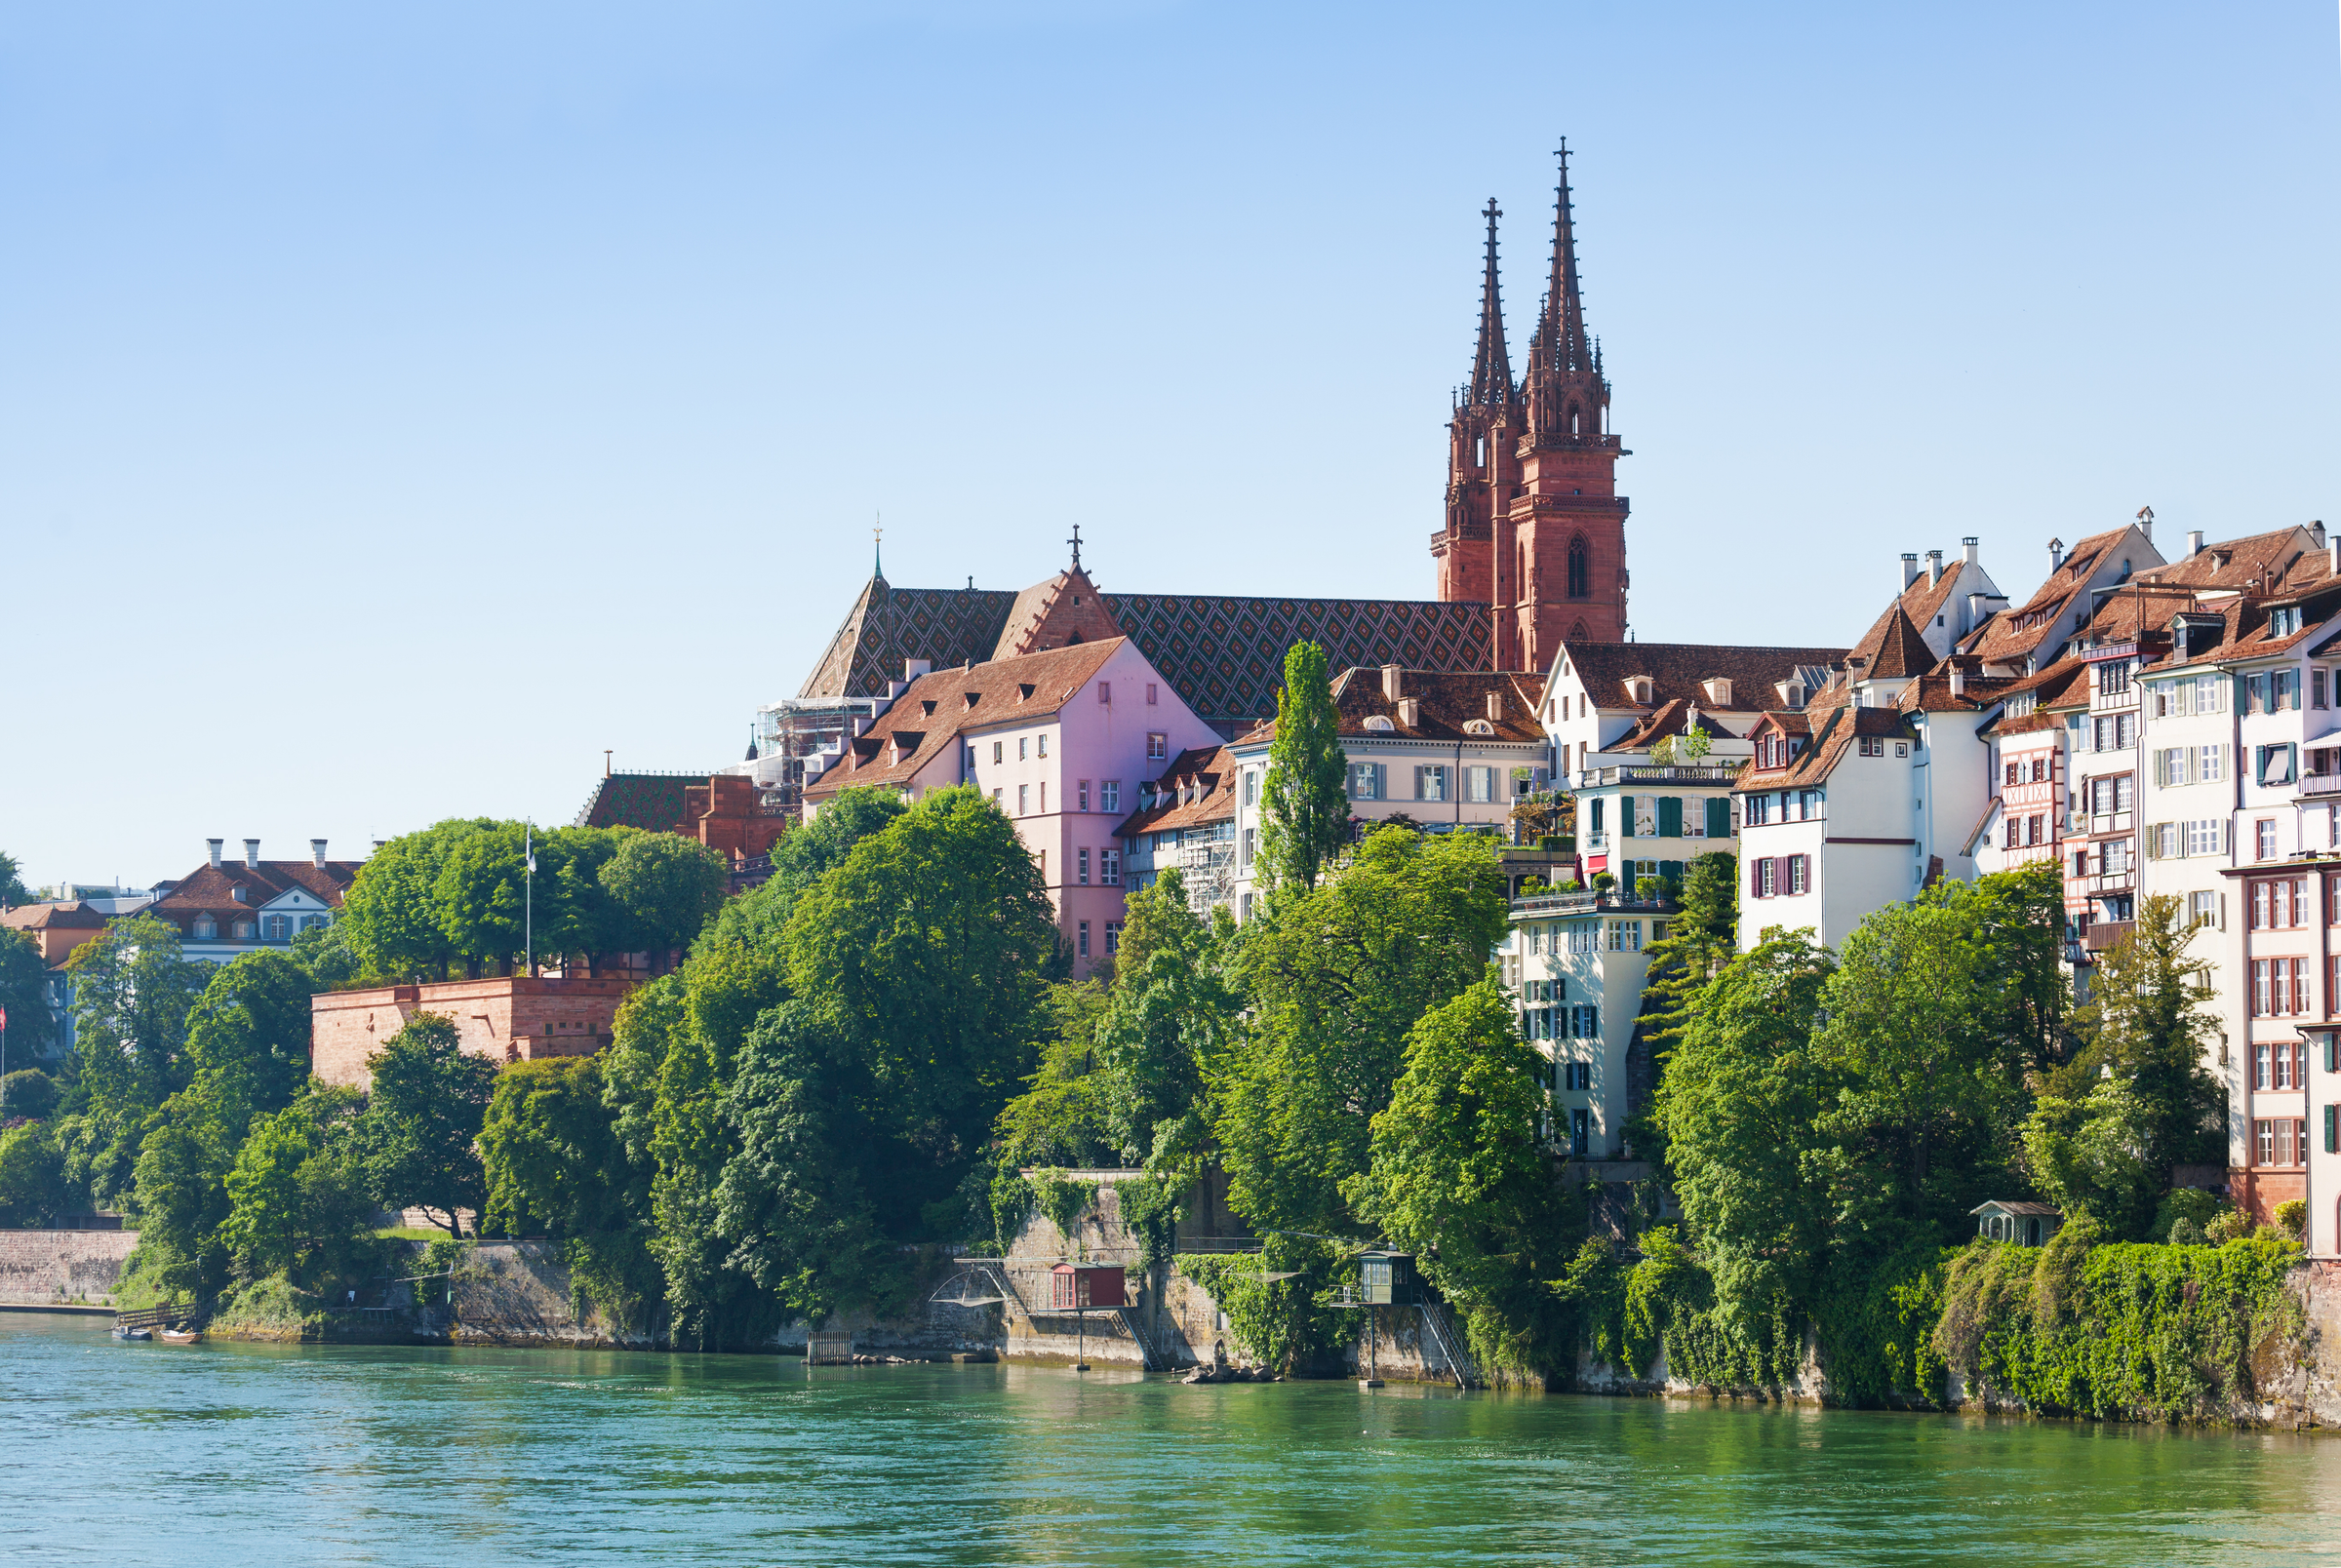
[401, 404]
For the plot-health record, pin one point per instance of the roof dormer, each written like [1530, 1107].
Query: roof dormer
[1379, 724]
[1719, 690]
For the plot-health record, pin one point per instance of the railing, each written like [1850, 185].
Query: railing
[1593, 904]
[2320, 783]
[182, 1311]
[1450, 1345]
[1716, 774]
[1218, 1243]
[2105, 933]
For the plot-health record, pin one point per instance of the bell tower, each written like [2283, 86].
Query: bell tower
[1483, 469]
[1559, 544]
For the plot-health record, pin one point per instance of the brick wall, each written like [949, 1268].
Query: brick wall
[62, 1266]
[508, 1020]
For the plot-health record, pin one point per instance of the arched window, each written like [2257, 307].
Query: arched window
[1580, 568]
[1577, 633]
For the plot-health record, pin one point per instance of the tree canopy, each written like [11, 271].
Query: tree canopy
[1304, 807]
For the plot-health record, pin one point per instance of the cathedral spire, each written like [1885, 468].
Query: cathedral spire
[1563, 324]
[1491, 362]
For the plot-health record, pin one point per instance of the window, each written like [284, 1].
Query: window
[2284, 1141]
[1364, 781]
[2117, 794]
[1646, 815]
[276, 927]
[2315, 688]
[2206, 835]
[971, 757]
[1044, 797]
[2259, 1065]
[1873, 746]
[1109, 794]
[2262, 1004]
[1024, 798]
[2264, 837]
[243, 930]
[1151, 698]
[1157, 746]
[2291, 1062]
[2283, 686]
[1109, 871]
[2112, 679]
[1112, 936]
[2171, 764]
[206, 929]
[1245, 852]
[1080, 862]
[996, 745]
[2210, 765]
[1625, 936]
[1430, 783]
[995, 796]
[1252, 786]
[1105, 693]
[1578, 1077]
[1479, 784]
[2040, 770]
[1084, 940]
[2013, 772]
[1083, 795]
[1024, 748]
[2203, 909]
[1580, 1128]
[1758, 810]
[1580, 568]
[1043, 742]
[1763, 876]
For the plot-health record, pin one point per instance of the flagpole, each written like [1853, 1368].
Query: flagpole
[527, 904]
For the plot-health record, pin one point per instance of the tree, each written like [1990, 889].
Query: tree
[1304, 808]
[33, 1189]
[182, 1201]
[1459, 1179]
[667, 885]
[391, 914]
[423, 1120]
[23, 993]
[13, 890]
[2089, 1157]
[2148, 1023]
[296, 1204]
[482, 896]
[28, 1093]
[248, 1039]
[1172, 1011]
[1337, 978]
[550, 1152]
[132, 992]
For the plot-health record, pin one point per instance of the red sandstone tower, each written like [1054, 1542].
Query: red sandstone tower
[1536, 527]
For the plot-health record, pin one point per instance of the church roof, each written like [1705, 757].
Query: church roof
[1223, 655]
[650, 801]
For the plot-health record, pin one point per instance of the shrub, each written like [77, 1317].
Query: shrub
[2292, 1218]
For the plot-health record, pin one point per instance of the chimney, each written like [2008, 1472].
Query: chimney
[317, 853]
[1409, 712]
[1971, 547]
[1910, 568]
[2332, 557]
[1394, 681]
[252, 854]
[1975, 602]
[2056, 554]
[378, 843]
[2317, 532]
[215, 844]
[2193, 541]
[1959, 681]
[1495, 705]
[1934, 567]
[912, 669]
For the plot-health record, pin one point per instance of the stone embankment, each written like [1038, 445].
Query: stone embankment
[62, 1268]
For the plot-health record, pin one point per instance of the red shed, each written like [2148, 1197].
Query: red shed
[1086, 1284]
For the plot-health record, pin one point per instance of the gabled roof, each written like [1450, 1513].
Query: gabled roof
[1445, 702]
[1899, 652]
[926, 720]
[1677, 670]
[650, 801]
[212, 889]
[1673, 717]
[1834, 733]
[1198, 788]
[1932, 693]
[76, 916]
[1064, 611]
[2016, 634]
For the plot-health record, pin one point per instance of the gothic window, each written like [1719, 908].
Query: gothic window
[1580, 568]
[1577, 633]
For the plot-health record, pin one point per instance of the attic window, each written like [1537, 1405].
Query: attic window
[1639, 690]
[1477, 727]
[929, 706]
[1379, 724]
[1719, 690]
[1024, 692]
[972, 697]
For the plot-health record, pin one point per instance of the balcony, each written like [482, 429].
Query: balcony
[1612, 902]
[2320, 783]
[1715, 776]
[2107, 933]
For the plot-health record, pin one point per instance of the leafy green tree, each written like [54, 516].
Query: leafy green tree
[27, 1093]
[297, 1204]
[325, 954]
[132, 993]
[33, 1189]
[1459, 1179]
[1173, 1012]
[13, 890]
[2149, 1024]
[23, 993]
[391, 914]
[2088, 1156]
[480, 895]
[248, 1039]
[758, 918]
[1304, 808]
[182, 1201]
[424, 1117]
[1700, 941]
[551, 1153]
[668, 886]
[1064, 1120]
[1337, 978]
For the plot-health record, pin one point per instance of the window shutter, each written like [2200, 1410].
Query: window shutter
[1419, 777]
[1625, 816]
[1719, 818]
[1672, 871]
[1670, 816]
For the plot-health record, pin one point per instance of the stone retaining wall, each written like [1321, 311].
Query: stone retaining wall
[48, 1267]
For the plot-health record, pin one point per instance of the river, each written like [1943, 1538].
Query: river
[283, 1455]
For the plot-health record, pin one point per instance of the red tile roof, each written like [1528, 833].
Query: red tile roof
[1198, 787]
[212, 889]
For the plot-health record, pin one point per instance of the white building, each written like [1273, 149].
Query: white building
[1575, 963]
[225, 908]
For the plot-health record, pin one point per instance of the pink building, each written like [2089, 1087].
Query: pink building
[1060, 740]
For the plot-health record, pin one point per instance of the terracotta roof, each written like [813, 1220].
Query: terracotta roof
[1679, 669]
[1932, 693]
[1833, 735]
[928, 717]
[2256, 557]
[212, 888]
[2016, 634]
[1198, 787]
[1671, 718]
[1901, 653]
[1445, 702]
[75, 917]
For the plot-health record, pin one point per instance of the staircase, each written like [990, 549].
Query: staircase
[165, 1316]
[1440, 1329]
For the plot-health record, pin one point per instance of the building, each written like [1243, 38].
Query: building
[1575, 963]
[726, 812]
[58, 931]
[1604, 704]
[515, 1019]
[226, 907]
[1060, 740]
[1186, 821]
[1439, 750]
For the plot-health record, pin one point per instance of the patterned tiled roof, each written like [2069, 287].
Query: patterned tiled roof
[1223, 655]
[650, 801]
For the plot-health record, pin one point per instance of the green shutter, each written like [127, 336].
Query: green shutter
[1625, 816]
[1670, 816]
[1598, 804]
[1671, 871]
[1719, 818]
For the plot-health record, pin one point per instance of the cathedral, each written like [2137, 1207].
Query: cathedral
[1532, 551]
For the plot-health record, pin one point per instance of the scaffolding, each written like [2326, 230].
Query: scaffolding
[792, 729]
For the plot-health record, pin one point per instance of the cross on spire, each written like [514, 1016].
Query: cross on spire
[1075, 542]
[1491, 362]
[877, 547]
[1563, 324]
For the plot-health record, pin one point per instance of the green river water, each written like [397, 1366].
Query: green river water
[282, 1454]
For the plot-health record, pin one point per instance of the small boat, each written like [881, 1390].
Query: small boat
[134, 1334]
[181, 1336]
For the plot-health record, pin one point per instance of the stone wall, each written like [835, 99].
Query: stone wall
[517, 1018]
[45, 1267]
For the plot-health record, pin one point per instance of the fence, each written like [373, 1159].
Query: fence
[826, 1349]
